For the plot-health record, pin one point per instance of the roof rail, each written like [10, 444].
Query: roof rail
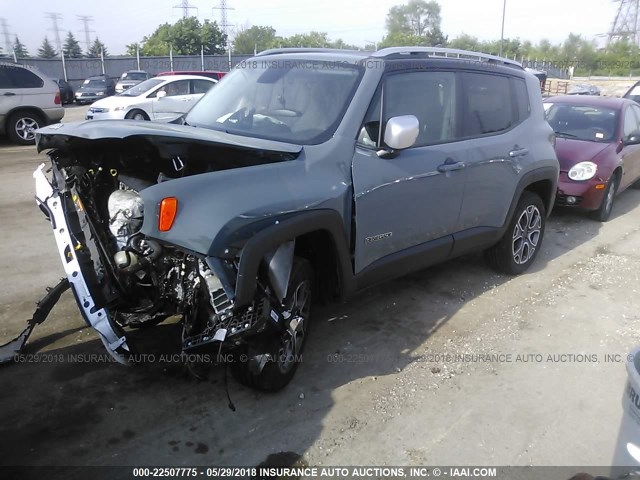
[445, 52]
[273, 51]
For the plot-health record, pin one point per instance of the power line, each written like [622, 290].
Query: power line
[185, 6]
[625, 23]
[7, 36]
[86, 19]
[54, 17]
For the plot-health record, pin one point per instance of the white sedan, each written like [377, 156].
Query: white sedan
[159, 98]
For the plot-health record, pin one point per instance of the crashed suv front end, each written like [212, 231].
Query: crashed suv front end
[93, 195]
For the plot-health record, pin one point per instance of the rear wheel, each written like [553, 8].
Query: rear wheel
[518, 248]
[603, 213]
[21, 127]
[283, 349]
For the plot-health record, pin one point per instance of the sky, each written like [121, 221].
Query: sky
[357, 22]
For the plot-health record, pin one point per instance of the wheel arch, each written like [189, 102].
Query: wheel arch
[316, 233]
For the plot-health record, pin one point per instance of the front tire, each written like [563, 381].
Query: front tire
[603, 213]
[21, 127]
[284, 348]
[137, 115]
[520, 244]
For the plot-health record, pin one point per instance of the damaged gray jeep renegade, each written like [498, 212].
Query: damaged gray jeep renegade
[303, 174]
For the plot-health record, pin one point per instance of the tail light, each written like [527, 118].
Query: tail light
[167, 213]
[56, 99]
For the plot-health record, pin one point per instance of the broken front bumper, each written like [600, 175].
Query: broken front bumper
[52, 201]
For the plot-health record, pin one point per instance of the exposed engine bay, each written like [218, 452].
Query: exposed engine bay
[122, 278]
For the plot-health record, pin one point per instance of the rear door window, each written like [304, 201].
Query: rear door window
[487, 106]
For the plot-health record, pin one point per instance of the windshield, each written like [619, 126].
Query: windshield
[141, 88]
[94, 83]
[297, 102]
[582, 122]
[133, 76]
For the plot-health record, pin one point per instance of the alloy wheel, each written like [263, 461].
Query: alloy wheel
[526, 235]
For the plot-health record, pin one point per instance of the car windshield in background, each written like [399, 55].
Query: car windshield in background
[141, 88]
[134, 76]
[582, 122]
[94, 83]
[286, 103]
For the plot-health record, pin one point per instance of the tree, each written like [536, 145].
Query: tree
[96, 47]
[132, 49]
[256, 39]
[46, 50]
[416, 23]
[312, 39]
[185, 37]
[19, 49]
[71, 47]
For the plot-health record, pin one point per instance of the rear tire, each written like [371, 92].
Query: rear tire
[603, 213]
[283, 351]
[21, 127]
[520, 244]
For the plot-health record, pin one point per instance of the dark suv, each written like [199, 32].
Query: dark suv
[305, 174]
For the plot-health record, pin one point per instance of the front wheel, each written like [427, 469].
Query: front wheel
[603, 213]
[282, 349]
[137, 115]
[520, 244]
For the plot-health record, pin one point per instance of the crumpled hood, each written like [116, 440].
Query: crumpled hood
[571, 151]
[61, 135]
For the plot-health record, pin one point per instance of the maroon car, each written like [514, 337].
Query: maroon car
[598, 146]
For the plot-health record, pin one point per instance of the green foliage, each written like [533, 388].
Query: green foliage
[416, 23]
[256, 37]
[46, 50]
[19, 49]
[71, 47]
[132, 48]
[185, 37]
[96, 47]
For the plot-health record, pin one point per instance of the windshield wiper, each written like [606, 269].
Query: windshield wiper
[565, 134]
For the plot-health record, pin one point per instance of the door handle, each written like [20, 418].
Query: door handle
[186, 99]
[518, 152]
[9, 94]
[450, 165]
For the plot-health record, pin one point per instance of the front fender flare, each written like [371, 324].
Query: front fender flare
[282, 231]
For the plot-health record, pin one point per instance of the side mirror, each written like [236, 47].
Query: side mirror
[401, 132]
[632, 139]
[161, 94]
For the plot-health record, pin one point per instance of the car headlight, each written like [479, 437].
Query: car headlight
[583, 171]
[118, 109]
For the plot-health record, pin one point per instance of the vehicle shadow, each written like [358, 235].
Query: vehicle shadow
[72, 406]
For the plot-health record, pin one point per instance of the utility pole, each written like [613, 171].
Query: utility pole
[185, 6]
[54, 17]
[7, 37]
[504, 10]
[86, 19]
[224, 21]
[625, 23]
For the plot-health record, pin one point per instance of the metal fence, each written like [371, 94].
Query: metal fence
[78, 69]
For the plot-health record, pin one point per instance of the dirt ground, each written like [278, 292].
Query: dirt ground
[376, 386]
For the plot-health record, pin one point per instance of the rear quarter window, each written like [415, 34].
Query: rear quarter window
[23, 78]
[520, 98]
